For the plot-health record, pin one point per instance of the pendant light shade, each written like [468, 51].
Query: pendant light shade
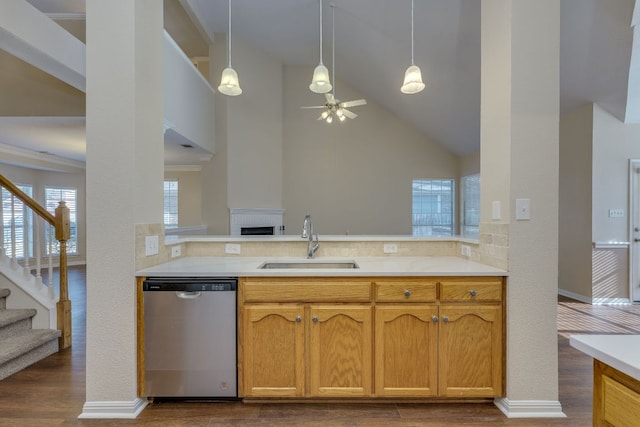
[320, 82]
[413, 76]
[229, 83]
[412, 80]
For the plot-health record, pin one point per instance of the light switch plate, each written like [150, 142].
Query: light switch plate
[151, 245]
[465, 250]
[495, 210]
[523, 209]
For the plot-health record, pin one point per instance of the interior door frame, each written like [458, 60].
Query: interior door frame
[634, 229]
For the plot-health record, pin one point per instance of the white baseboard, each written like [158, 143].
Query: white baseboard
[113, 409]
[573, 295]
[530, 408]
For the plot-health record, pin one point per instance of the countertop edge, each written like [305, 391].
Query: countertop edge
[603, 348]
[369, 267]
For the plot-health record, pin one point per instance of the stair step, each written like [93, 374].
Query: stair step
[14, 321]
[20, 351]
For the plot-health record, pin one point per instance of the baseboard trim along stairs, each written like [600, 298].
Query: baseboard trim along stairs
[20, 345]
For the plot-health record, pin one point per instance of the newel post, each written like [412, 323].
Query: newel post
[63, 233]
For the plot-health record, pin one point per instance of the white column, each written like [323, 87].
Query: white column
[519, 160]
[124, 187]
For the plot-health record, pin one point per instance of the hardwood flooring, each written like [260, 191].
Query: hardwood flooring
[52, 392]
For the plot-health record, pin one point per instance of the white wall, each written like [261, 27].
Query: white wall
[574, 258]
[353, 176]
[614, 143]
[254, 131]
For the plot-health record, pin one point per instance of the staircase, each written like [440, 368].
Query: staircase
[20, 345]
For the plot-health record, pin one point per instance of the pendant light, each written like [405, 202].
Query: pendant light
[229, 84]
[320, 82]
[413, 76]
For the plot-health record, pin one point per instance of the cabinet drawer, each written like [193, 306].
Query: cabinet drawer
[472, 290]
[307, 290]
[405, 291]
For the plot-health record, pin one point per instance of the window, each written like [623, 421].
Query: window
[171, 203]
[20, 219]
[470, 205]
[433, 207]
[52, 196]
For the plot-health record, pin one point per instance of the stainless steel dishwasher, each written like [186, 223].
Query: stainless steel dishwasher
[190, 337]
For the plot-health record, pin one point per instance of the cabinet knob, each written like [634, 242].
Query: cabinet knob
[445, 319]
[298, 319]
[435, 319]
[407, 293]
[473, 292]
[315, 319]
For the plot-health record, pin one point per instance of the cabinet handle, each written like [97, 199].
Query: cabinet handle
[298, 319]
[445, 319]
[407, 293]
[435, 319]
[473, 292]
[315, 319]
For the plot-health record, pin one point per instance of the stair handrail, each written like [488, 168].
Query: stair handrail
[62, 225]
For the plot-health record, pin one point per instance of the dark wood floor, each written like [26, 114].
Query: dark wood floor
[52, 392]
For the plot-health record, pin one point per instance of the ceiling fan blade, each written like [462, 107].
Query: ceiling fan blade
[349, 114]
[330, 98]
[353, 103]
[313, 106]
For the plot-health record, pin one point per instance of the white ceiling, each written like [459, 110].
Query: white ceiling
[373, 48]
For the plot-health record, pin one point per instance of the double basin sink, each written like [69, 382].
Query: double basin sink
[308, 264]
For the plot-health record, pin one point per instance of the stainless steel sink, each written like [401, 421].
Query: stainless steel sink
[308, 264]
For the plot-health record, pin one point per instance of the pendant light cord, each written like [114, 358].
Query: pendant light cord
[320, 32]
[333, 46]
[412, 63]
[229, 38]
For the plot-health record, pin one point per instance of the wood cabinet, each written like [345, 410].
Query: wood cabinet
[616, 397]
[368, 337]
[340, 350]
[273, 350]
[308, 348]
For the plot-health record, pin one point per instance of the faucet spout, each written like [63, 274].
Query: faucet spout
[307, 233]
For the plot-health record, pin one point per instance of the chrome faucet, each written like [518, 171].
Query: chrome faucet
[307, 233]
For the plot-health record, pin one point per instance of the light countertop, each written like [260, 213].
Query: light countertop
[621, 352]
[173, 239]
[368, 266]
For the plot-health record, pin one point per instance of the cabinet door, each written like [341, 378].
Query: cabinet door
[470, 358]
[406, 350]
[340, 350]
[273, 350]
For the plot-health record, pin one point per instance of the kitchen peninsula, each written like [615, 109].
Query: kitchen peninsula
[355, 322]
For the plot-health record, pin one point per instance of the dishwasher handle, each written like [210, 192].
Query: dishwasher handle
[188, 294]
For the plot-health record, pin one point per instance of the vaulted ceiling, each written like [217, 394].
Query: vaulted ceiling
[373, 48]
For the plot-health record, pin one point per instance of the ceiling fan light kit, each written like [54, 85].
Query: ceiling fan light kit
[413, 76]
[320, 82]
[229, 83]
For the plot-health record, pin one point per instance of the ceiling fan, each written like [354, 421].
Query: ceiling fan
[337, 108]
[333, 106]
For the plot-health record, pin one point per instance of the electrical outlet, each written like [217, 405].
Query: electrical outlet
[232, 248]
[465, 250]
[175, 251]
[151, 245]
[390, 248]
